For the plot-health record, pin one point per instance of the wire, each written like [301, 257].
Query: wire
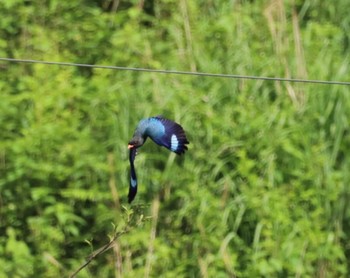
[218, 75]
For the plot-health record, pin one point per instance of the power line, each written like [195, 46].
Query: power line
[206, 74]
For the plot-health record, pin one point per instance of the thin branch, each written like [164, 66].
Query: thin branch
[99, 251]
[131, 222]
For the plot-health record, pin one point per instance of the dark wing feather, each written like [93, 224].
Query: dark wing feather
[174, 137]
[133, 178]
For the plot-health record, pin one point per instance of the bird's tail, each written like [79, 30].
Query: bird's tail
[133, 178]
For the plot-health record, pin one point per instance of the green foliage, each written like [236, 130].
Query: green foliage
[263, 190]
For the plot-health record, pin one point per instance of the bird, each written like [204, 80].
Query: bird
[163, 132]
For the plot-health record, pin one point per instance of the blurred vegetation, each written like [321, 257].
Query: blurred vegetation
[263, 190]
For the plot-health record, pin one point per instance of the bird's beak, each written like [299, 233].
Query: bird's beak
[130, 146]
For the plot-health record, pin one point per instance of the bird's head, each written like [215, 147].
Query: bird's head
[135, 142]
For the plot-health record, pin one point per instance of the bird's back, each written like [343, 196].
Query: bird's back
[154, 128]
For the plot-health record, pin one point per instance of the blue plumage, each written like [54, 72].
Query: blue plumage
[162, 131]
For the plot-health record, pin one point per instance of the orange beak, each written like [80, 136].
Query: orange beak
[130, 146]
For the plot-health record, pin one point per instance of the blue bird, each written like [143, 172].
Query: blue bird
[162, 131]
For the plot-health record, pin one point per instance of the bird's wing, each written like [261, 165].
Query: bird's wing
[173, 136]
[133, 178]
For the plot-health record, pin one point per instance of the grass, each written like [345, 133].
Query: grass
[262, 190]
